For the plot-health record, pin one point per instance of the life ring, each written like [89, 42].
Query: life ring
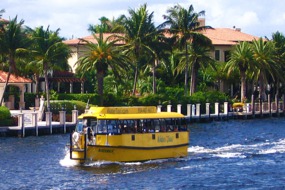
[75, 137]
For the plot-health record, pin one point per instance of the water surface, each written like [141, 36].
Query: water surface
[246, 154]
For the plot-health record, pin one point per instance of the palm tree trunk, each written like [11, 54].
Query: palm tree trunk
[47, 87]
[37, 78]
[243, 86]
[262, 94]
[100, 81]
[194, 71]
[154, 76]
[186, 71]
[6, 84]
[135, 81]
[277, 84]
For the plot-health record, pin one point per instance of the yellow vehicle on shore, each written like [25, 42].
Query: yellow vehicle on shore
[238, 106]
[127, 134]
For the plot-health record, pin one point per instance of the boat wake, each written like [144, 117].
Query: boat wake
[67, 162]
[101, 163]
[239, 150]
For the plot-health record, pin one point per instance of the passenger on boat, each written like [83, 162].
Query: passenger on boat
[89, 133]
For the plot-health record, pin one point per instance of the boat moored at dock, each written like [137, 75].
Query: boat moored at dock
[127, 134]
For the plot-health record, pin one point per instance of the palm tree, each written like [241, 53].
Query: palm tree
[106, 26]
[168, 68]
[2, 22]
[265, 65]
[47, 50]
[199, 57]
[184, 25]
[101, 56]
[279, 58]
[240, 60]
[160, 49]
[139, 31]
[13, 40]
[279, 43]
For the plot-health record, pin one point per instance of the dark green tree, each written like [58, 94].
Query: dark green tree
[13, 41]
[185, 27]
[199, 57]
[47, 50]
[139, 32]
[101, 56]
[241, 58]
[265, 66]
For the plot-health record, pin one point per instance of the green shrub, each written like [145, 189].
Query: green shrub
[5, 116]
[68, 106]
[92, 98]
[110, 99]
[4, 113]
[150, 100]
[171, 95]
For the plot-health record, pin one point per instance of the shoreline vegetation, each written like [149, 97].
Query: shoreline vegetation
[173, 63]
[28, 124]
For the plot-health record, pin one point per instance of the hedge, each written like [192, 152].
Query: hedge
[5, 116]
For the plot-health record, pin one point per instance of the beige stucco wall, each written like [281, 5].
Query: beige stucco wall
[10, 103]
[77, 52]
[222, 50]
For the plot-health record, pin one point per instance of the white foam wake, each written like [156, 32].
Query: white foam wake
[67, 162]
[239, 150]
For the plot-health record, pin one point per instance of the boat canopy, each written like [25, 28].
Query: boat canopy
[139, 112]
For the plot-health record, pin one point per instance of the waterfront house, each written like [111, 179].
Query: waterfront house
[222, 39]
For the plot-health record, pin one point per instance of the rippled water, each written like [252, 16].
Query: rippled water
[247, 154]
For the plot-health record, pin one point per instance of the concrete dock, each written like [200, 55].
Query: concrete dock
[29, 124]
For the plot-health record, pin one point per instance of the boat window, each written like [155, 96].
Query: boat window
[79, 125]
[146, 126]
[101, 126]
[170, 124]
[183, 125]
[112, 127]
[93, 125]
[156, 124]
[162, 125]
[139, 125]
[130, 126]
[88, 123]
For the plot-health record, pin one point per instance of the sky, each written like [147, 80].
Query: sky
[256, 17]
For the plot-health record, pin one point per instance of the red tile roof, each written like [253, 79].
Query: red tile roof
[4, 20]
[13, 78]
[79, 41]
[227, 36]
[219, 36]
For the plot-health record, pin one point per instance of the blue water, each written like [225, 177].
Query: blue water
[246, 154]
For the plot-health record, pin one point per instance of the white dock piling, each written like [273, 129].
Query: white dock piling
[35, 123]
[62, 118]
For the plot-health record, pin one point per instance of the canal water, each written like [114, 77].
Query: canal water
[244, 154]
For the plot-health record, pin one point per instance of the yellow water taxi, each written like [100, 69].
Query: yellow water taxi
[127, 134]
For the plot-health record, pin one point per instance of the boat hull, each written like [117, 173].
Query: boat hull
[122, 148]
[130, 154]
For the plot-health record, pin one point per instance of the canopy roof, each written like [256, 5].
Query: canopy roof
[137, 112]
